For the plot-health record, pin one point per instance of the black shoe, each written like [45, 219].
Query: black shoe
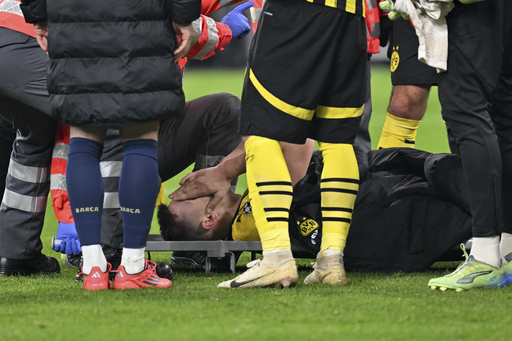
[24, 267]
[194, 258]
[74, 261]
[113, 256]
[164, 270]
[198, 258]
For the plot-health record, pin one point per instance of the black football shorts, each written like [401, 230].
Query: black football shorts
[306, 74]
[406, 69]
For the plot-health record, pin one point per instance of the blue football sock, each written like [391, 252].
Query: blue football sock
[85, 188]
[138, 188]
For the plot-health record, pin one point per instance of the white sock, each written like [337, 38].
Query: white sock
[277, 257]
[133, 260]
[487, 250]
[328, 258]
[331, 252]
[93, 256]
[506, 247]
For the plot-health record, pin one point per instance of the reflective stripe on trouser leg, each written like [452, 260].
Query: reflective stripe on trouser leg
[23, 208]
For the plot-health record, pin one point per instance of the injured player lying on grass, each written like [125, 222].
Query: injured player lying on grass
[411, 211]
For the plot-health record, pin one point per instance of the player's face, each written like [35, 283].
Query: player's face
[189, 208]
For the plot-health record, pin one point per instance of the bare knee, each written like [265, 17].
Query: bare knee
[409, 101]
[139, 131]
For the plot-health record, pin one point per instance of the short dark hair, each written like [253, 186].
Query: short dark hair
[175, 229]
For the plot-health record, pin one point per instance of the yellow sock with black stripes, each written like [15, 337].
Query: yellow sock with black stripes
[339, 186]
[270, 191]
[398, 132]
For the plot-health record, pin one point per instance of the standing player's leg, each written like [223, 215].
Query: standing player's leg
[502, 116]
[335, 125]
[466, 98]
[138, 189]
[339, 186]
[411, 80]
[86, 201]
[270, 192]
[406, 109]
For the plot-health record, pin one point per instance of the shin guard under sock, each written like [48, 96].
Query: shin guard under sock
[85, 188]
[339, 186]
[270, 191]
[138, 188]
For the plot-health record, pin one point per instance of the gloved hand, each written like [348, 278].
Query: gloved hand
[237, 22]
[67, 240]
[386, 30]
[393, 14]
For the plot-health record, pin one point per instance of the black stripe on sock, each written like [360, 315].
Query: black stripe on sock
[275, 192]
[341, 209]
[339, 190]
[276, 209]
[345, 220]
[277, 219]
[274, 183]
[349, 180]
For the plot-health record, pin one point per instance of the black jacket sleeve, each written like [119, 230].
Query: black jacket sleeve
[34, 11]
[185, 11]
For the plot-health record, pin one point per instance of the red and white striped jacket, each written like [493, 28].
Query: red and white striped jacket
[58, 189]
[373, 25]
[12, 18]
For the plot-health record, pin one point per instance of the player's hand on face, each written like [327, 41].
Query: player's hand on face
[201, 183]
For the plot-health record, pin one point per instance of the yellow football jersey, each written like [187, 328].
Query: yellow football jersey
[244, 227]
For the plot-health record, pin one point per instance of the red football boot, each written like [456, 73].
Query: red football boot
[147, 278]
[97, 280]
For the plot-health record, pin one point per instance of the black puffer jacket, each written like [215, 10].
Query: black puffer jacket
[112, 62]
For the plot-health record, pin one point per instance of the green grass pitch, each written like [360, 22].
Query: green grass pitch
[370, 307]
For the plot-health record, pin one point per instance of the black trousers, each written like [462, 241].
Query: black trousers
[7, 136]
[24, 103]
[476, 100]
[205, 134]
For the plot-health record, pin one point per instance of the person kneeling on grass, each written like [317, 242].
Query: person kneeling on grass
[395, 184]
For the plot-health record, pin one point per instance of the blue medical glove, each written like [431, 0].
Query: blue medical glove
[67, 240]
[237, 22]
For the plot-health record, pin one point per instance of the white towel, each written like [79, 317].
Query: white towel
[428, 19]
